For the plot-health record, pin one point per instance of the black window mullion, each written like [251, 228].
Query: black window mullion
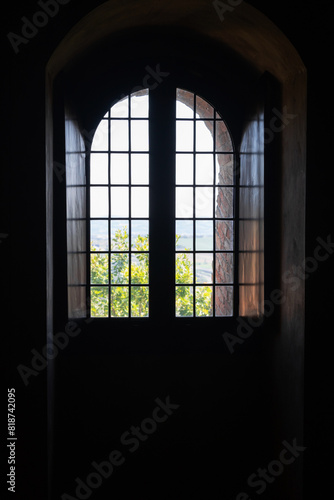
[194, 207]
[130, 206]
[214, 220]
[236, 287]
[162, 202]
[88, 257]
[109, 217]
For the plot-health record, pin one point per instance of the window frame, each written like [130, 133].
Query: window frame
[165, 95]
[87, 114]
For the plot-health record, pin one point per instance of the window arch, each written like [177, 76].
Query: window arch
[204, 188]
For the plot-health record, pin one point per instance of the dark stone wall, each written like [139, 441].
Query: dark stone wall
[23, 228]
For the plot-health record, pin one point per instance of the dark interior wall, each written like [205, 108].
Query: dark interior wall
[223, 416]
[24, 223]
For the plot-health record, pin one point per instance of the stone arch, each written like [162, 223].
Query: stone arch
[246, 33]
[251, 34]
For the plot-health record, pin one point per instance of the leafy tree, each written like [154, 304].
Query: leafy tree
[120, 270]
[184, 294]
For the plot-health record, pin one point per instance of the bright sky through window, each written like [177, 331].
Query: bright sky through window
[99, 169]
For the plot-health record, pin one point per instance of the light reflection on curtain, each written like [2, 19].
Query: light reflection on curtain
[251, 212]
[76, 219]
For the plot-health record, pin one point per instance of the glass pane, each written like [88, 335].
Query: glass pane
[250, 264]
[139, 135]
[99, 236]
[204, 235]
[251, 299]
[224, 235]
[100, 140]
[224, 268]
[251, 202]
[99, 202]
[77, 301]
[140, 104]
[99, 297]
[119, 135]
[184, 104]
[204, 267]
[224, 301]
[119, 201]
[119, 169]
[120, 109]
[223, 139]
[76, 235]
[184, 169]
[251, 235]
[224, 169]
[224, 202]
[203, 300]
[203, 109]
[204, 202]
[76, 202]
[204, 138]
[184, 202]
[252, 167]
[98, 168]
[99, 268]
[184, 234]
[204, 169]
[139, 235]
[119, 233]
[119, 268]
[139, 301]
[184, 268]
[139, 169]
[184, 136]
[139, 202]
[76, 268]
[184, 300]
[119, 301]
[140, 268]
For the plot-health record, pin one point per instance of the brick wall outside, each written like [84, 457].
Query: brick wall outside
[224, 203]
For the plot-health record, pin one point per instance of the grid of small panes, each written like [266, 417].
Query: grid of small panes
[119, 210]
[205, 212]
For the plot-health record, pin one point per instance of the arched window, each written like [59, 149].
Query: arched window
[202, 171]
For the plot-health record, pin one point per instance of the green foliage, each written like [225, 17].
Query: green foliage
[184, 297]
[203, 301]
[120, 270]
